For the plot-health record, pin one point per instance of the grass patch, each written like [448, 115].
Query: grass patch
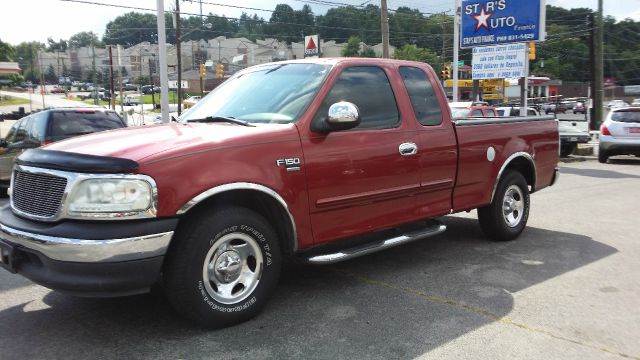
[9, 100]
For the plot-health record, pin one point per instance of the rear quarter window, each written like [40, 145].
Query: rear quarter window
[66, 124]
[422, 95]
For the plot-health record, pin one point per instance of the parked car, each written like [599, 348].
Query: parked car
[579, 108]
[471, 109]
[190, 101]
[129, 87]
[617, 104]
[48, 126]
[57, 90]
[505, 111]
[635, 102]
[264, 168]
[620, 133]
[572, 133]
[554, 108]
[131, 99]
[149, 89]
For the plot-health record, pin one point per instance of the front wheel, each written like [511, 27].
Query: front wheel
[602, 156]
[223, 268]
[506, 217]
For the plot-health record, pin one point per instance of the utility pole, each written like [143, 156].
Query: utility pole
[153, 97]
[598, 71]
[456, 47]
[384, 20]
[179, 56]
[112, 93]
[42, 83]
[162, 53]
[95, 74]
[120, 81]
[444, 40]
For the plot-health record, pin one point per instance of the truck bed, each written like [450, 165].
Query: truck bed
[477, 175]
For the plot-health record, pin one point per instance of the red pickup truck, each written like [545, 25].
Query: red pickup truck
[319, 160]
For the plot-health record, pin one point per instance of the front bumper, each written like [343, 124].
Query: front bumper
[87, 258]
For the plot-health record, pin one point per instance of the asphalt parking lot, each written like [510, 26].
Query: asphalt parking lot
[569, 287]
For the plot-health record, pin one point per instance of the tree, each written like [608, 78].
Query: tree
[7, 52]
[367, 52]
[83, 39]
[352, 48]
[414, 53]
[133, 28]
[50, 75]
[60, 45]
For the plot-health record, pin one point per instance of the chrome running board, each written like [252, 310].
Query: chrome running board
[354, 252]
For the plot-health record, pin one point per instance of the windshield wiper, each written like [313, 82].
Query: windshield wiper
[215, 119]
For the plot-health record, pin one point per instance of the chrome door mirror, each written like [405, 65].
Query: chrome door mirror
[343, 115]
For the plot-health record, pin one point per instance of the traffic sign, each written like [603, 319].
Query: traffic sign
[493, 22]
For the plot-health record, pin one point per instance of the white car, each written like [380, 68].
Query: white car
[131, 99]
[505, 111]
[620, 133]
[617, 104]
[635, 102]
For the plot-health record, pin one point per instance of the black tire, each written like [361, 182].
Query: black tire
[3, 192]
[491, 218]
[567, 149]
[602, 156]
[184, 273]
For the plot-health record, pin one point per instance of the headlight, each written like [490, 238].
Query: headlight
[112, 197]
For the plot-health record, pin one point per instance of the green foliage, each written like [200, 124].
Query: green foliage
[84, 38]
[50, 75]
[133, 28]
[15, 79]
[367, 52]
[352, 48]
[60, 45]
[7, 52]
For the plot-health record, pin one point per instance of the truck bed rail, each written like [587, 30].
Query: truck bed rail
[500, 120]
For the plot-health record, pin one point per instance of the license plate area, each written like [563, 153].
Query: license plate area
[7, 256]
[633, 130]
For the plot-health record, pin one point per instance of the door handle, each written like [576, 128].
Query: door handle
[408, 149]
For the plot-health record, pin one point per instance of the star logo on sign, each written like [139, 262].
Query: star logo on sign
[482, 19]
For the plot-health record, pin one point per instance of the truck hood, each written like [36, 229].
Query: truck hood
[147, 143]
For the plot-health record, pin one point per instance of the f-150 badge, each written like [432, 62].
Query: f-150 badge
[291, 164]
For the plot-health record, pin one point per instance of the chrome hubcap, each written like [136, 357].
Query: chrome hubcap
[232, 268]
[513, 206]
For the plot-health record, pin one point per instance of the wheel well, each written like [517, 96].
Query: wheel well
[525, 167]
[262, 203]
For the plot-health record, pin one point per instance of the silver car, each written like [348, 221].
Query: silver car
[620, 133]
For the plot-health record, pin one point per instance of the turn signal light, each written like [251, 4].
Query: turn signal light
[604, 130]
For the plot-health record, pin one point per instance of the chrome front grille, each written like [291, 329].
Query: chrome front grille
[37, 194]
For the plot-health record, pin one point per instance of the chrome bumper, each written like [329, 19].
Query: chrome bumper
[89, 251]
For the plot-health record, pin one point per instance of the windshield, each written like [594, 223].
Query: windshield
[628, 116]
[65, 124]
[274, 93]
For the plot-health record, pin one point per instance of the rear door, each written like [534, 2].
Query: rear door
[625, 123]
[357, 179]
[436, 142]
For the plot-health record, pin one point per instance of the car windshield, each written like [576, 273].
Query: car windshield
[627, 116]
[274, 93]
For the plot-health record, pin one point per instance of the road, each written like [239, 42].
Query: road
[568, 288]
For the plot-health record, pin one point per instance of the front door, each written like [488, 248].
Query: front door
[357, 179]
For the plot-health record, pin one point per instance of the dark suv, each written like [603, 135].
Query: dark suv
[48, 126]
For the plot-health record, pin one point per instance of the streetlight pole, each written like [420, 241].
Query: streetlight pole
[384, 27]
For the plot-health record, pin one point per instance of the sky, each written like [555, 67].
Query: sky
[28, 20]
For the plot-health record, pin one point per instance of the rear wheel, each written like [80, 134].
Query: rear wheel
[602, 156]
[567, 149]
[507, 215]
[223, 268]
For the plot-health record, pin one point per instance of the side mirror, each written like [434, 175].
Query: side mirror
[343, 115]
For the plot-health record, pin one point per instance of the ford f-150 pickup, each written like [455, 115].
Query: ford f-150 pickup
[318, 160]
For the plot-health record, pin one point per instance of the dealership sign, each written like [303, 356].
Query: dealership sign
[493, 22]
[500, 61]
[311, 46]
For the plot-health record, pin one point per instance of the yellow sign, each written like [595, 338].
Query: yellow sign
[532, 51]
[461, 83]
[490, 96]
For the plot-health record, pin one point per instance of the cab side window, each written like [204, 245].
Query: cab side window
[21, 133]
[11, 136]
[369, 89]
[476, 112]
[422, 95]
